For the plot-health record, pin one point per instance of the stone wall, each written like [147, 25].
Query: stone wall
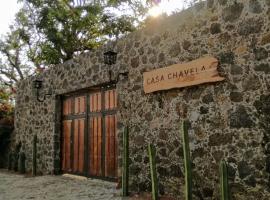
[227, 120]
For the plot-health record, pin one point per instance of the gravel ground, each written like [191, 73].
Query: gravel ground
[18, 187]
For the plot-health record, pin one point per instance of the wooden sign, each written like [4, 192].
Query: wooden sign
[203, 70]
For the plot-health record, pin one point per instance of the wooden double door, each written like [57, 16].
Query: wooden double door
[89, 139]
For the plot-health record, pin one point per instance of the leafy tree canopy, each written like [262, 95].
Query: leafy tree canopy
[57, 30]
[6, 106]
[48, 32]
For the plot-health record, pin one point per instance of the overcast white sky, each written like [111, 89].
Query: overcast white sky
[7, 14]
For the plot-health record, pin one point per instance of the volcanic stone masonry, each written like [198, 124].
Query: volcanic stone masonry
[227, 120]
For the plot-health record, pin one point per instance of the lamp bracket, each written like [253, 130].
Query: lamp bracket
[44, 97]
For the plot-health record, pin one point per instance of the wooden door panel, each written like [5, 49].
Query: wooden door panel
[79, 145]
[110, 99]
[110, 146]
[95, 135]
[67, 106]
[66, 163]
[75, 147]
[79, 107]
[95, 102]
[96, 149]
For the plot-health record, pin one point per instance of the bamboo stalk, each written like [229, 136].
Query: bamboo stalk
[187, 162]
[224, 186]
[152, 159]
[22, 162]
[34, 153]
[125, 168]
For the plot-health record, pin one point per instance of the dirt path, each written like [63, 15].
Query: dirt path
[18, 187]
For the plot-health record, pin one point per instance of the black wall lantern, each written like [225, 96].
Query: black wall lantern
[38, 85]
[110, 58]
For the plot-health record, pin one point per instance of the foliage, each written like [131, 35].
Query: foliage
[6, 107]
[65, 28]
[13, 68]
[48, 32]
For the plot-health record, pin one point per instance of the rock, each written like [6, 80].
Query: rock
[260, 53]
[218, 155]
[207, 98]
[163, 152]
[210, 3]
[163, 135]
[250, 26]
[132, 52]
[163, 171]
[135, 62]
[175, 50]
[222, 2]
[255, 6]
[224, 37]
[252, 82]
[236, 70]
[198, 153]
[265, 39]
[218, 139]
[138, 158]
[208, 192]
[226, 57]
[139, 140]
[241, 50]
[215, 28]
[251, 181]
[231, 172]
[198, 6]
[161, 189]
[214, 18]
[267, 164]
[243, 169]
[264, 67]
[232, 12]
[267, 2]
[236, 96]
[155, 41]
[153, 59]
[134, 169]
[263, 105]
[143, 186]
[192, 93]
[181, 110]
[137, 44]
[26, 99]
[240, 118]
[161, 57]
[144, 59]
[148, 116]
[186, 44]
[259, 164]
[203, 110]
[175, 171]
[141, 50]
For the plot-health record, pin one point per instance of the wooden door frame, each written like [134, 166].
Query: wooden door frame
[87, 115]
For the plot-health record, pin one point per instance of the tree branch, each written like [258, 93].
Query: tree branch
[9, 75]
